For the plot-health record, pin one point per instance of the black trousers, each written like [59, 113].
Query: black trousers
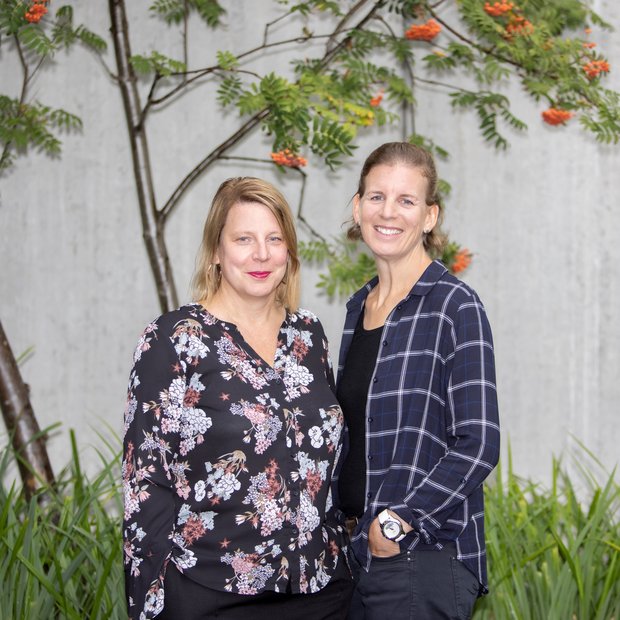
[185, 599]
[418, 585]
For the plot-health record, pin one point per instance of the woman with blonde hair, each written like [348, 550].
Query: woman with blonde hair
[232, 434]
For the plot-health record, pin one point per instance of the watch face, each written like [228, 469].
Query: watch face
[391, 529]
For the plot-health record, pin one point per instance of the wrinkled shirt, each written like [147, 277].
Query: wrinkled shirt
[432, 425]
[228, 461]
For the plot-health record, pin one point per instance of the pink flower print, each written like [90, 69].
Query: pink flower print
[192, 530]
[243, 565]
[191, 397]
[314, 483]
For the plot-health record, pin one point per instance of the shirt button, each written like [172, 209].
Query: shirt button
[295, 492]
[385, 343]
[375, 380]
[295, 531]
[370, 457]
[368, 495]
[370, 420]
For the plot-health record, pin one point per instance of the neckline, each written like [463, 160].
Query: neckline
[360, 329]
[259, 359]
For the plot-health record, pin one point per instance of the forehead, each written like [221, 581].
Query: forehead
[250, 214]
[399, 176]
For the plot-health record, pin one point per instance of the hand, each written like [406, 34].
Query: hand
[378, 544]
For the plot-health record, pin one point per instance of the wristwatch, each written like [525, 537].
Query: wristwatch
[391, 528]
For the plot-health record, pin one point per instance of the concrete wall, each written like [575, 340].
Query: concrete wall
[541, 218]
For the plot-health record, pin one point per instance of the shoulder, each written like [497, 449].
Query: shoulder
[304, 316]
[165, 330]
[306, 321]
[167, 322]
[454, 295]
[463, 308]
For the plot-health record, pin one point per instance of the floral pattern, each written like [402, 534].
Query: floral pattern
[228, 462]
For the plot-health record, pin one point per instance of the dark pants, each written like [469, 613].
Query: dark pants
[185, 599]
[417, 585]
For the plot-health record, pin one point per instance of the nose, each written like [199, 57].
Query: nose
[388, 208]
[261, 251]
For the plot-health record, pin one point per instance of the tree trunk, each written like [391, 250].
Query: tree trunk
[28, 442]
[152, 222]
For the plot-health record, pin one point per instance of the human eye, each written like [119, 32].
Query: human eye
[275, 238]
[375, 197]
[243, 239]
[408, 201]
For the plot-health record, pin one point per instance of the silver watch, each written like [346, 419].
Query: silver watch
[391, 528]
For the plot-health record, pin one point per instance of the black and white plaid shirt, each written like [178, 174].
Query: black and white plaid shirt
[432, 426]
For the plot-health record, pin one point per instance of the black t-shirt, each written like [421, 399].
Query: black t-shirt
[352, 395]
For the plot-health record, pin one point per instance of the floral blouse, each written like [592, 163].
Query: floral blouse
[228, 461]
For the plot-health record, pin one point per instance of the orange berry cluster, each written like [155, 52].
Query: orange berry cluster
[589, 45]
[498, 8]
[289, 159]
[595, 67]
[375, 102]
[36, 11]
[423, 32]
[461, 261]
[556, 116]
[519, 26]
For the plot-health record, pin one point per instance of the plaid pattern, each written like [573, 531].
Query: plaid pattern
[432, 433]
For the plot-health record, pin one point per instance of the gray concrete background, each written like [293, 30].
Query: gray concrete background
[542, 220]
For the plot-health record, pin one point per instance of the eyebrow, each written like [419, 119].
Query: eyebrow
[253, 233]
[378, 191]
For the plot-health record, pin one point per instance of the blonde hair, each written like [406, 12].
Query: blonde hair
[207, 276]
[390, 154]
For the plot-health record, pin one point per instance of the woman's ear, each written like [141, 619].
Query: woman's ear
[431, 217]
[356, 209]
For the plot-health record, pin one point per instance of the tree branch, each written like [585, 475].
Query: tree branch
[484, 50]
[213, 156]
[245, 129]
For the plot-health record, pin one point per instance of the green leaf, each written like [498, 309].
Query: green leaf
[210, 11]
[35, 39]
[171, 11]
[229, 90]
[227, 60]
[11, 17]
[91, 40]
[156, 63]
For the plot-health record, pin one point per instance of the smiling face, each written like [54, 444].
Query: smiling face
[393, 214]
[252, 253]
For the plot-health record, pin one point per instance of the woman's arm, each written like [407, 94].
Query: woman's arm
[156, 383]
[473, 439]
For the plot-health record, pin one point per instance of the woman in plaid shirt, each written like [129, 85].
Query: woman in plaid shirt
[417, 387]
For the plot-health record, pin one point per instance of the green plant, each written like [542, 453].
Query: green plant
[61, 551]
[552, 554]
